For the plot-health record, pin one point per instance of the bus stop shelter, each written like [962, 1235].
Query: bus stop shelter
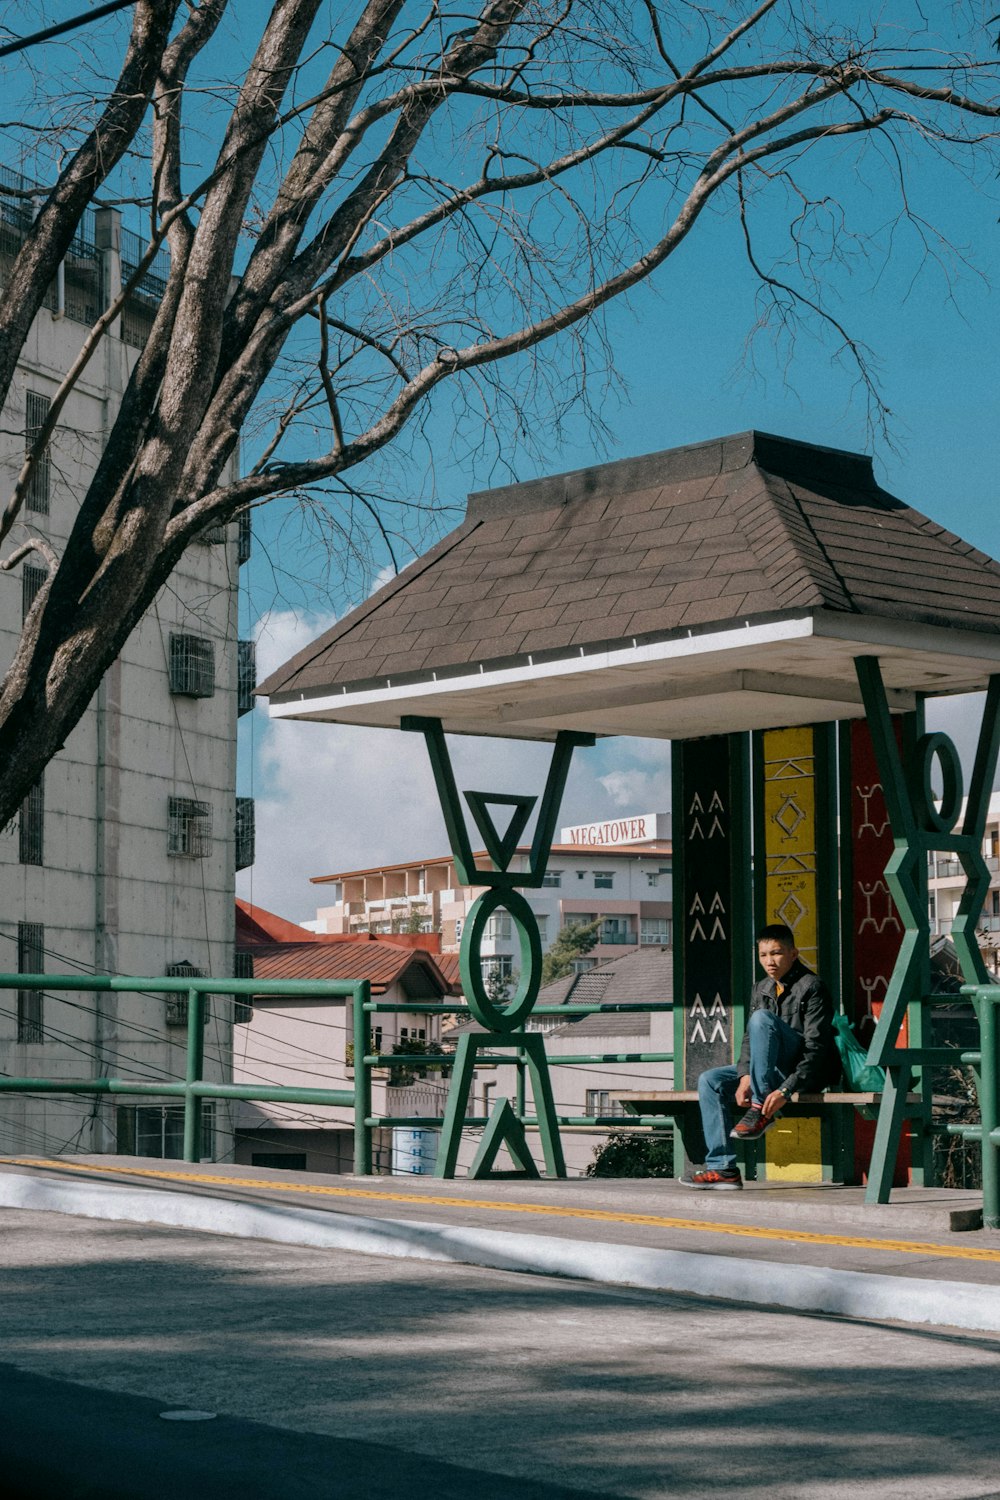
[765, 606]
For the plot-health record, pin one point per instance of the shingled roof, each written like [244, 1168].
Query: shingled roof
[637, 976]
[741, 532]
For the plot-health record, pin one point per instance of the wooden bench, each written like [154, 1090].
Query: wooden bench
[835, 1110]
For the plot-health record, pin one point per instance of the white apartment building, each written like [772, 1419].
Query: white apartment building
[618, 871]
[946, 883]
[122, 858]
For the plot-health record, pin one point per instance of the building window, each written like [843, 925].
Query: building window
[189, 834]
[32, 579]
[374, 1046]
[30, 960]
[500, 967]
[158, 1130]
[616, 930]
[244, 537]
[246, 675]
[498, 928]
[39, 485]
[655, 930]
[413, 1033]
[543, 927]
[552, 879]
[177, 1004]
[599, 1102]
[242, 1004]
[192, 666]
[246, 832]
[31, 826]
[604, 880]
[581, 874]
[581, 965]
[652, 877]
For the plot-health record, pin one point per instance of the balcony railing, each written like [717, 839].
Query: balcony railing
[416, 1099]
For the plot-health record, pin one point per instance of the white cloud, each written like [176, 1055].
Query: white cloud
[627, 789]
[282, 633]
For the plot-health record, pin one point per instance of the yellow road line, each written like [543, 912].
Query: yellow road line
[603, 1216]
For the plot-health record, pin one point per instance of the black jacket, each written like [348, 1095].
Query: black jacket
[805, 1005]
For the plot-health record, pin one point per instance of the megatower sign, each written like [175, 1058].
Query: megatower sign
[644, 828]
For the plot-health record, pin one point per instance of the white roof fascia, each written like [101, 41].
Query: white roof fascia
[678, 648]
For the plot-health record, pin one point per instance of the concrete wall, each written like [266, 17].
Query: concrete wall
[110, 896]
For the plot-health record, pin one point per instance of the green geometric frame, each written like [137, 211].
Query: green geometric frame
[469, 873]
[502, 1023]
[512, 1016]
[532, 1045]
[504, 1129]
[919, 828]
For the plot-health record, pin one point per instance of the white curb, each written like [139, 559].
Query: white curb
[855, 1294]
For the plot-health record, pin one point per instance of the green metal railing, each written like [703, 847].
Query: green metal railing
[986, 1065]
[358, 1098]
[437, 1061]
[194, 1087]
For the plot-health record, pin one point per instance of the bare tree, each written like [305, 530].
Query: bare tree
[411, 197]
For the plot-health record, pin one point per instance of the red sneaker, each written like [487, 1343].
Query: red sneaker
[707, 1177]
[752, 1126]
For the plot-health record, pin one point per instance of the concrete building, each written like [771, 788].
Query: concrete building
[618, 871]
[122, 858]
[946, 884]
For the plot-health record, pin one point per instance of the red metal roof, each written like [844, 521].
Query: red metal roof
[381, 964]
[255, 925]
[448, 964]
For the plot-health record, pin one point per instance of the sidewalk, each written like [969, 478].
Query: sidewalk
[810, 1248]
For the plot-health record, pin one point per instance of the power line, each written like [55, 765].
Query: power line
[20, 43]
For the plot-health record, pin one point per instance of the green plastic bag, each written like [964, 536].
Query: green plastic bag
[859, 1077]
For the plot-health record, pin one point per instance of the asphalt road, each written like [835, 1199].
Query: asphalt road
[350, 1376]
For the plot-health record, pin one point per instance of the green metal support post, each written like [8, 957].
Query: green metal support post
[195, 1067]
[362, 1081]
[988, 1105]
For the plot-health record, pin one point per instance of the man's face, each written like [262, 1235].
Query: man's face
[775, 958]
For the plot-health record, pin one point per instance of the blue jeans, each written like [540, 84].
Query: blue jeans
[775, 1048]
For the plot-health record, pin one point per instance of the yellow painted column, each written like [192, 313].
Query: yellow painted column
[793, 1147]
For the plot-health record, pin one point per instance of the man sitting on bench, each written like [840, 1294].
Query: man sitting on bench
[788, 1048]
